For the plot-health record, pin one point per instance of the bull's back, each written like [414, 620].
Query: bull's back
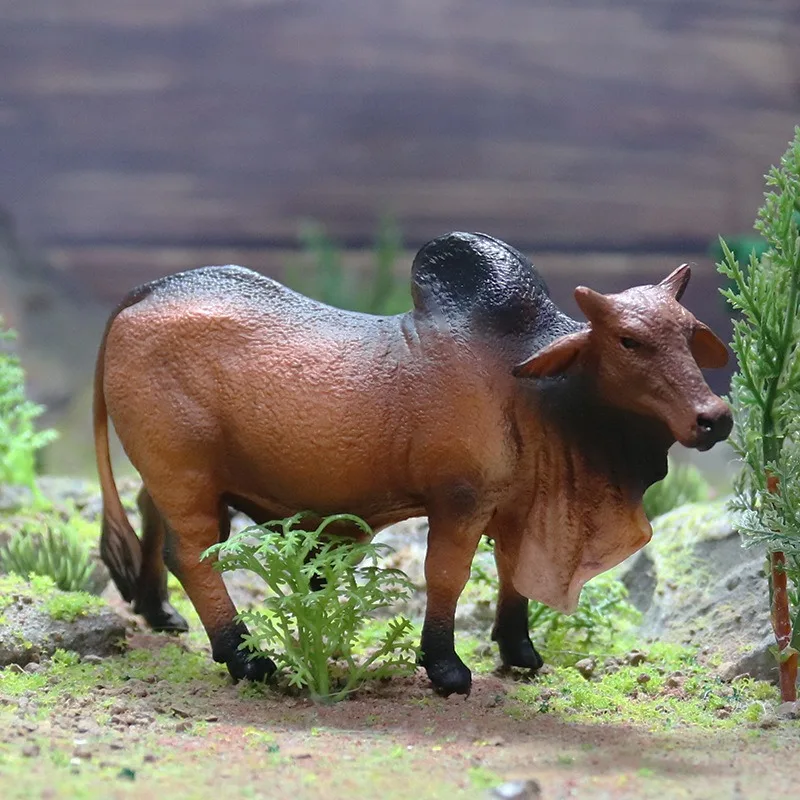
[224, 368]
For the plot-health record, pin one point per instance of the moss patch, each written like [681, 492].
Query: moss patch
[668, 690]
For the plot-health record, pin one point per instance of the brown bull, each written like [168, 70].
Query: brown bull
[484, 408]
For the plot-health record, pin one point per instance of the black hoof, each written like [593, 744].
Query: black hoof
[520, 653]
[450, 676]
[244, 668]
[164, 618]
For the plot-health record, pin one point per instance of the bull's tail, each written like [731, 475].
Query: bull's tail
[120, 548]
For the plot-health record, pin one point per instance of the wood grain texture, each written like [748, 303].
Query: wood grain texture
[220, 122]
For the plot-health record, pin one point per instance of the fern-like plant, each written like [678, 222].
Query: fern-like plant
[54, 551]
[323, 590]
[19, 439]
[765, 394]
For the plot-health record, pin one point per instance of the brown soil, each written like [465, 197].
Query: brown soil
[398, 740]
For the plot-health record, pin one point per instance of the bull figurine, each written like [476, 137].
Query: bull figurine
[484, 407]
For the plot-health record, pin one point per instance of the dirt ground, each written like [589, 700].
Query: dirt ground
[203, 737]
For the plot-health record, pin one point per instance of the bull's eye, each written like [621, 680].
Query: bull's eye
[628, 343]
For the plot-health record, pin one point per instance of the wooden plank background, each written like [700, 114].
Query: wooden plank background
[209, 124]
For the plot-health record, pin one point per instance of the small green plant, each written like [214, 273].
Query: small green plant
[53, 550]
[603, 611]
[683, 484]
[326, 279]
[19, 439]
[765, 394]
[313, 634]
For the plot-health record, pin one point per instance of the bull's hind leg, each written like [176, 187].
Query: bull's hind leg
[192, 528]
[152, 596]
[510, 629]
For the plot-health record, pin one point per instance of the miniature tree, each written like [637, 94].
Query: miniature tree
[765, 395]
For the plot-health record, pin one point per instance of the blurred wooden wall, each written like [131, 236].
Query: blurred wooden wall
[148, 135]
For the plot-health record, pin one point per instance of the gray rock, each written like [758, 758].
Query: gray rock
[475, 617]
[14, 498]
[28, 633]
[696, 584]
[408, 541]
[517, 790]
[788, 710]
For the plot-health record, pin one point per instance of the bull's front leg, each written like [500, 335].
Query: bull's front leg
[510, 629]
[452, 542]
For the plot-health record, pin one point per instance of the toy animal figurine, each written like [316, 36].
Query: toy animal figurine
[484, 408]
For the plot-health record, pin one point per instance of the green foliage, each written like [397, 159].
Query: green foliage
[52, 549]
[603, 612]
[326, 280]
[19, 439]
[68, 606]
[677, 691]
[683, 484]
[765, 392]
[313, 634]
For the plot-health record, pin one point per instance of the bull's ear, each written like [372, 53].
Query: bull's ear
[708, 351]
[677, 281]
[555, 358]
[594, 305]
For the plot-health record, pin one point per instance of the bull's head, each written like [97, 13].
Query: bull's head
[643, 350]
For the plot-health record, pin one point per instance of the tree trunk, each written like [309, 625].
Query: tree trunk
[782, 620]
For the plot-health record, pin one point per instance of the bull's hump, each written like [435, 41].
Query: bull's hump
[229, 282]
[241, 293]
[484, 283]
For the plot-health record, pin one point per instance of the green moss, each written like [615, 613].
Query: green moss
[65, 674]
[68, 606]
[674, 536]
[41, 591]
[625, 696]
[483, 778]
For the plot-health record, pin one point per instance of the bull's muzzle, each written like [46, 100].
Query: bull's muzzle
[713, 425]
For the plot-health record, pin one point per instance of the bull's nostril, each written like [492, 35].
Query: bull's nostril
[706, 424]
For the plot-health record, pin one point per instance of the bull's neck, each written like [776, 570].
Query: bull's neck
[629, 450]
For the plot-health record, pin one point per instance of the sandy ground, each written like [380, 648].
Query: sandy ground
[208, 739]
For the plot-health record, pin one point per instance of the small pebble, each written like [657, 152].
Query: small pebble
[82, 750]
[643, 678]
[31, 750]
[92, 659]
[635, 657]
[493, 701]
[182, 726]
[517, 790]
[769, 720]
[586, 667]
[788, 710]
[150, 758]
[611, 665]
